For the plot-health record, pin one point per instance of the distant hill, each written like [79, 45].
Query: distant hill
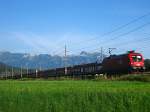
[45, 61]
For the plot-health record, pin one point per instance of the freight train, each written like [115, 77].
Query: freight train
[114, 64]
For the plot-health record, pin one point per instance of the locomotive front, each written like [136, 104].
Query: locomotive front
[136, 61]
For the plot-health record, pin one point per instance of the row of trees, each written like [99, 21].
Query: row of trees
[147, 64]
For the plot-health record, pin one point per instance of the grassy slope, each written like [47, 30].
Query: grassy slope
[74, 96]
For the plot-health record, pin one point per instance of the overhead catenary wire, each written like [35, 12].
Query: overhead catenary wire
[133, 42]
[133, 30]
[59, 51]
[121, 35]
[116, 29]
[146, 39]
[107, 33]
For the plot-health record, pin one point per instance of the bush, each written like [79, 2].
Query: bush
[138, 77]
[147, 64]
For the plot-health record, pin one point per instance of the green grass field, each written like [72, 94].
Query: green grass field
[74, 96]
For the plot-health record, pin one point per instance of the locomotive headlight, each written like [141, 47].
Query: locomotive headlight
[133, 68]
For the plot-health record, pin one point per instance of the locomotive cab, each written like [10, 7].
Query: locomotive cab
[124, 63]
[136, 61]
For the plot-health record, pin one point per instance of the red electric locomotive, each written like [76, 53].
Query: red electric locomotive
[125, 63]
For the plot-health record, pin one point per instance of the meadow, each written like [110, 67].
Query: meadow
[74, 96]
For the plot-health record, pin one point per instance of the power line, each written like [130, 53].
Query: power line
[131, 41]
[109, 32]
[134, 42]
[114, 30]
[123, 34]
[133, 30]
[118, 28]
[146, 39]
[130, 22]
[110, 50]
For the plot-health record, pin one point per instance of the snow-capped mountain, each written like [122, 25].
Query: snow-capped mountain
[45, 61]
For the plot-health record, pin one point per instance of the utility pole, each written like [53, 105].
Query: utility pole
[110, 50]
[21, 72]
[40, 68]
[65, 60]
[36, 73]
[27, 71]
[5, 71]
[101, 54]
[12, 72]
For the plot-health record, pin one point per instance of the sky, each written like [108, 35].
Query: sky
[46, 26]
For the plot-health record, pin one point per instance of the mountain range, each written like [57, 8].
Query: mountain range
[47, 61]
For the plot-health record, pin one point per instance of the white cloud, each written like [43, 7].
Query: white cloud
[35, 44]
[30, 41]
[42, 44]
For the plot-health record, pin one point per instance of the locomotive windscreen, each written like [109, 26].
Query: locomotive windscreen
[137, 58]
